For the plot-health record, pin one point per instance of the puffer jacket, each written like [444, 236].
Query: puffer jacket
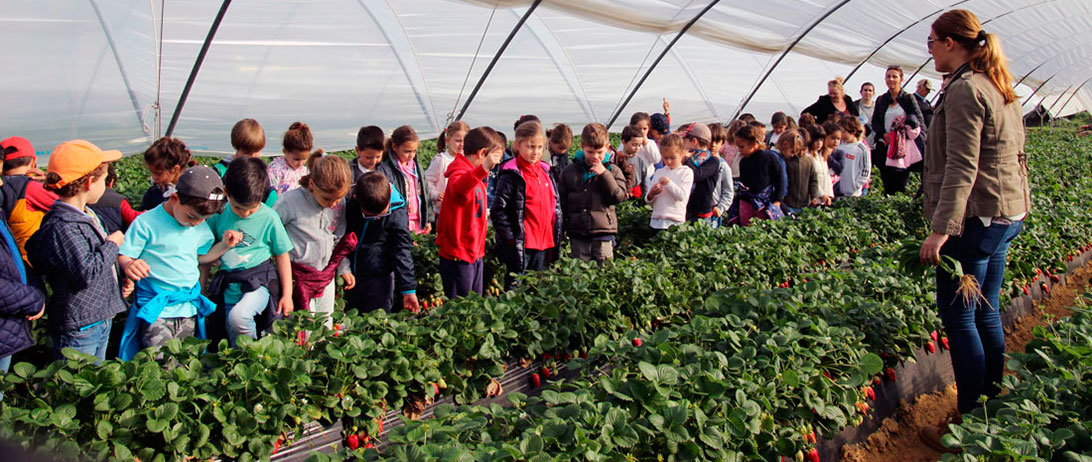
[588, 200]
[17, 299]
[80, 266]
[507, 213]
[385, 244]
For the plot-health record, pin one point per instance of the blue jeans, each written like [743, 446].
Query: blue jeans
[974, 328]
[91, 340]
[240, 316]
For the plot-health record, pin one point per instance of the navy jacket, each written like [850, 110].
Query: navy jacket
[705, 180]
[384, 245]
[390, 169]
[17, 299]
[80, 266]
[507, 213]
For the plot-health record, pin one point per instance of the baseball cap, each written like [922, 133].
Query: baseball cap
[15, 147]
[200, 182]
[74, 159]
[699, 131]
[659, 123]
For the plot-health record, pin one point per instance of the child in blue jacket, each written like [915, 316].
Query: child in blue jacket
[381, 262]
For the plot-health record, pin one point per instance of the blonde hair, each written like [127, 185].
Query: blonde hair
[454, 127]
[790, 143]
[672, 143]
[594, 136]
[327, 173]
[963, 27]
[837, 84]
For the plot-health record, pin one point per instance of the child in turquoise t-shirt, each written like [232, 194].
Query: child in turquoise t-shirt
[162, 250]
[248, 283]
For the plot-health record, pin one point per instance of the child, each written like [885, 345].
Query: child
[166, 159]
[461, 227]
[648, 149]
[248, 139]
[858, 161]
[369, 151]
[590, 188]
[835, 159]
[634, 167]
[24, 200]
[382, 261]
[448, 144]
[285, 172]
[112, 208]
[670, 185]
[75, 253]
[697, 139]
[815, 148]
[162, 250]
[525, 212]
[248, 284]
[725, 189]
[20, 303]
[659, 125]
[561, 139]
[762, 180]
[405, 173]
[317, 253]
[730, 152]
[803, 182]
[779, 123]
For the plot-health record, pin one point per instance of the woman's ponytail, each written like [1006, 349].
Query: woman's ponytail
[990, 59]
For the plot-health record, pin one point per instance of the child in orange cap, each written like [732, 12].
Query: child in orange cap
[24, 200]
[74, 252]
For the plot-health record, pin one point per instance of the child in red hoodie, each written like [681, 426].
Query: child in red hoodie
[462, 222]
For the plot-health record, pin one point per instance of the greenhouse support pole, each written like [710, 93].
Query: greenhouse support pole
[197, 66]
[656, 62]
[496, 57]
[1078, 90]
[785, 53]
[1040, 87]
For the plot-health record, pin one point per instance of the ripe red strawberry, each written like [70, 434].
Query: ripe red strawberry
[1038, 271]
[637, 341]
[1027, 291]
[583, 355]
[536, 381]
[827, 374]
[568, 357]
[369, 446]
[1071, 258]
[301, 338]
[810, 437]
[944, 343]
[353, 441]
[933, 335]
[1045, 288]
[870, 393]
[890, 373]
[380, 425]
[876, 381]
[813, 455]
[1054, 278]
[548, 356]
[545, 372]
[822, 262]
[277, 445]
[435, 389]
[931, 347]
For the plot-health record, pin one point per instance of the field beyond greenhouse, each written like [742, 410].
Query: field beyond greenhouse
[738, 344]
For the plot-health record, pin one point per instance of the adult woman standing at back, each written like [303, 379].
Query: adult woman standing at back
[889, 107]
[835, 102]
[976, 197]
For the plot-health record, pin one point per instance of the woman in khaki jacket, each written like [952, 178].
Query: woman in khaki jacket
[976, 197]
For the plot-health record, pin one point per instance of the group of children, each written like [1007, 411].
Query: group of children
[224, 251]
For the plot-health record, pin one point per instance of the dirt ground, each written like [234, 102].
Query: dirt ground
[897, 439]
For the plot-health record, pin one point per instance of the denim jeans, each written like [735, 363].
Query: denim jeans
[974, 328]
[91, 340]
[240, 316]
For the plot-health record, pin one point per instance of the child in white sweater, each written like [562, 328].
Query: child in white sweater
[671, 185]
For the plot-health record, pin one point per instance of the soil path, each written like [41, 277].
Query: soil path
[897, 438]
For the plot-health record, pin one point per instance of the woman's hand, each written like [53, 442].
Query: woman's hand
[930, 249]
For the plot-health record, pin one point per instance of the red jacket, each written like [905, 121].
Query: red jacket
[460, 230]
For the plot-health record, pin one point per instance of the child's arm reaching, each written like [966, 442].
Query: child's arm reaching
[284, 273]
[230, 238]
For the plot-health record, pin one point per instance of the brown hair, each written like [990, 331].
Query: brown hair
[167, 153]
[527, 130]
[481, 138]
[594, 136]
[456, 126]
[806, 120]
[525, 118]
[733, 127]
[986, 55]
[717, 133]
[631, 132]
[793, 139]
[637, 117]
[203, 205]
[815, 133]
[750, 133]
[298, 138]
[370, 137]
[671, 142]
[16, 162]
[561, 133]
[851, 125]
[248, 136]
[830, 127]
[372, 192]
[73, 187]
[895, 67]
[327, 173]
[400, 136]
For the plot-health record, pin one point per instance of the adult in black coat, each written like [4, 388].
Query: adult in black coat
[834, 102]
[894, 179]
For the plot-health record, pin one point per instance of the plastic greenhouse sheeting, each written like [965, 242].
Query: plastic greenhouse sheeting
[113, 71]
